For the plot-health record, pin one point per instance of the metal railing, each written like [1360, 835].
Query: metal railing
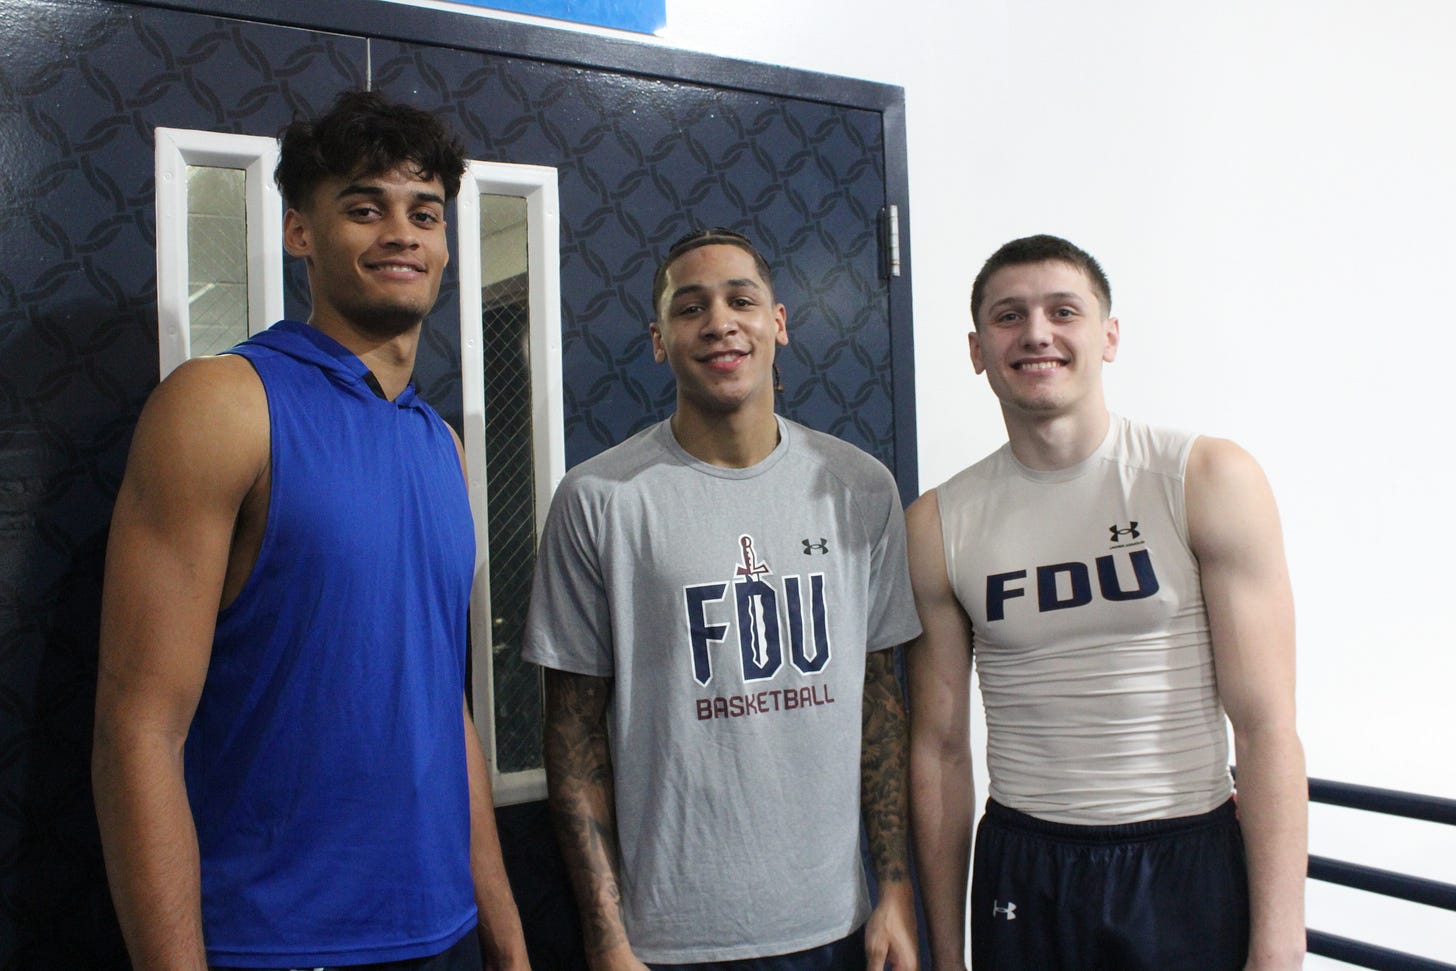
[1374, 880]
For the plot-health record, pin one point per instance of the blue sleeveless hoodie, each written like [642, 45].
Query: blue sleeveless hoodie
[326, 763]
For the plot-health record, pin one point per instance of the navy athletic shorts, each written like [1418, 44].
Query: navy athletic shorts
[464, 955]
[845, 954]
[1162, 895]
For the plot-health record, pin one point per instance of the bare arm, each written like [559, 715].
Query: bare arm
[501, 937]
[582, 800]
[890, 936]
[942, 789]
[1234, 530]
[200, 449]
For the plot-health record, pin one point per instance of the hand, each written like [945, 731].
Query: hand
[616, 958]
[890, 938]
[1290, 962]
[503, 955]
[513, 963]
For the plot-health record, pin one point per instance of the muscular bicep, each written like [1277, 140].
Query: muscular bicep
[1234, 531]
[938, 662]
[199, 449]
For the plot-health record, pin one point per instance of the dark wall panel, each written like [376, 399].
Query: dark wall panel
[643, 160]
[82, 85]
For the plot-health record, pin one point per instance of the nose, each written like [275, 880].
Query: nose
[1037, 331]
[719, 322]
[400, 231]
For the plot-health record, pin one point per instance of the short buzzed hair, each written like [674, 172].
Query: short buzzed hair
[706, 237]
[1041, 249]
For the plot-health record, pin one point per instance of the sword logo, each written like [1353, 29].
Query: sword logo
[749, 571]
[751, 567]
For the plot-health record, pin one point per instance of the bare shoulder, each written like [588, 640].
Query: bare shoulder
[1215, 462]
[215, 406]
[222, 386]
[922, 518]
[1228, 497]
[926, 548]
[202, 440]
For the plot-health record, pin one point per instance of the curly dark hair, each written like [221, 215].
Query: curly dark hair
[363, 134]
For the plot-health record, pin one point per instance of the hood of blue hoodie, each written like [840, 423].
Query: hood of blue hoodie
[312, 346]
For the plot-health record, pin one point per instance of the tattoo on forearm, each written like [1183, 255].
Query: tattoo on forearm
[883, 779]
[580, 794]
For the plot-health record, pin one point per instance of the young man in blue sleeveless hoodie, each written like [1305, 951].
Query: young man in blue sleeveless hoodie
[285, 772]
[1124, 588]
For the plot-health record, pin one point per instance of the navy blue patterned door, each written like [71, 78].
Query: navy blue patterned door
[82, 86]
[643, 155]
[643, 160]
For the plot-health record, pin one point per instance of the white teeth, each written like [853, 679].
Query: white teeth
[1039, 365]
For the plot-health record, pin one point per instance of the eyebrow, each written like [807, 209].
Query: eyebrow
[735, 283]
[376, 192]
[1058, 297]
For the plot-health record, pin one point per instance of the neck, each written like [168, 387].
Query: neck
[390, 356]
[731, 441]
[1047, 444]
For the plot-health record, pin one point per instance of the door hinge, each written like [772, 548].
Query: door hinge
[890, 241]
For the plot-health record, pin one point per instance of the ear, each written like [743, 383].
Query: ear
[659, 352]
[1112, 335]
[781, 329]
[296, 233]
[974, 340]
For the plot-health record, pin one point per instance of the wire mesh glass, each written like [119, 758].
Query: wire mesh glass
[510, 478]
[217, 258]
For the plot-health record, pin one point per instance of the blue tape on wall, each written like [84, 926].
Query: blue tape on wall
[642, 16]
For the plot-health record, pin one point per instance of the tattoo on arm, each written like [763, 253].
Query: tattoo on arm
[883, 766]
[581, 797]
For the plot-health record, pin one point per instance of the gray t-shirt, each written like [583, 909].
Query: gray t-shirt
[733, 608]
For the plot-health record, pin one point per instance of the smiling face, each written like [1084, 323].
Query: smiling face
[376, 249]
[1042, 339]
[718, 327]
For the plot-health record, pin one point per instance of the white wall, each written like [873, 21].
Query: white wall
[1270, 186]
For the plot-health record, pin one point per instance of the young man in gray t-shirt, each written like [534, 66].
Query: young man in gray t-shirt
[716, 602]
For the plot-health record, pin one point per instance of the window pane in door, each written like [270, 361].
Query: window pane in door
[217, 258]
[510, 476]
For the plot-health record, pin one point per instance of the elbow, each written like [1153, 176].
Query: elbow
[1265, 734]
[106, 755]
[936, 745]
